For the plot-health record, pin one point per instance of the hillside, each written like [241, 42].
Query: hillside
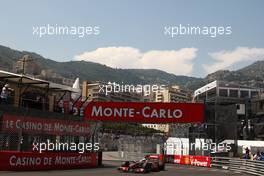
[252, 75]
[94, 71]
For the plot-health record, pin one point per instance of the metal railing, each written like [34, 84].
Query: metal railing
[252, 167]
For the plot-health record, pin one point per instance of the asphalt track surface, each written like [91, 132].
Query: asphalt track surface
[110, 169]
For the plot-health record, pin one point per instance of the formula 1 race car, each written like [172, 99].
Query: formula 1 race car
[150, 163]
[136, 166]
[157, 160]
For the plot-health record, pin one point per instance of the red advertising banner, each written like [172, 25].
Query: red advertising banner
[20, 161]
[178, 159]
[145, 112]
[12, 123]
[203, 161]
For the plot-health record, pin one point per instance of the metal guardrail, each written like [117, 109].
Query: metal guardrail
[252, 167]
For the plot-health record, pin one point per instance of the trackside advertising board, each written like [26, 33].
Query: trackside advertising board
[202, 161]
[143, 112]
[30, 125]
[20, 161]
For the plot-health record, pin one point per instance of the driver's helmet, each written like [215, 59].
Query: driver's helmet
[143, 160]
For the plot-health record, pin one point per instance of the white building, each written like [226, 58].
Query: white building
[224, 91]
[169, 94]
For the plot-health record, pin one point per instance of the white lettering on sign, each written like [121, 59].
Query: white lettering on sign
[41, 125]
[28, 125]
[146, 112]
[58, 160]
[195, 162]
[65, 160]
[114, 112]
[24, 161]
[161, 113]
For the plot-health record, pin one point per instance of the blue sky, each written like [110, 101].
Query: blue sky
[135, 28]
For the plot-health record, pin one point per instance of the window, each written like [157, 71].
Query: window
[261, 105]
[244, 94]
[254, 93]
[223, 92]
[211, 93]
[233, 93]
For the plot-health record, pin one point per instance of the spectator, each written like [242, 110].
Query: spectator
[251, 156]
[5, 93]
[257, 156]
[261, 158]
[61, 107]
[247, 154]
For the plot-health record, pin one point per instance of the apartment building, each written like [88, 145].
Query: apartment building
[173, 94]
[170, 94]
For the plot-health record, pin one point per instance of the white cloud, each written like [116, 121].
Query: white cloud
[226, 59]
[173, 61]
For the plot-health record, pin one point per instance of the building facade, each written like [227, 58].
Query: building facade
[173, 94]
[257, 121]
[219, 95]
[170, 94]
[225, 92]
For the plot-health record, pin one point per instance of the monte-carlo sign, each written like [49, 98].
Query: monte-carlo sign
[145, 112]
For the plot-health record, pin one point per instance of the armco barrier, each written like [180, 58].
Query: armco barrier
[21, 161]
[252, 167]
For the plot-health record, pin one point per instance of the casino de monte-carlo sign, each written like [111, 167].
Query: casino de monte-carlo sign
[145, 112]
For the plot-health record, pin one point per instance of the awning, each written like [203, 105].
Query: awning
[29, 80]
[22, 79]
[61, 87]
